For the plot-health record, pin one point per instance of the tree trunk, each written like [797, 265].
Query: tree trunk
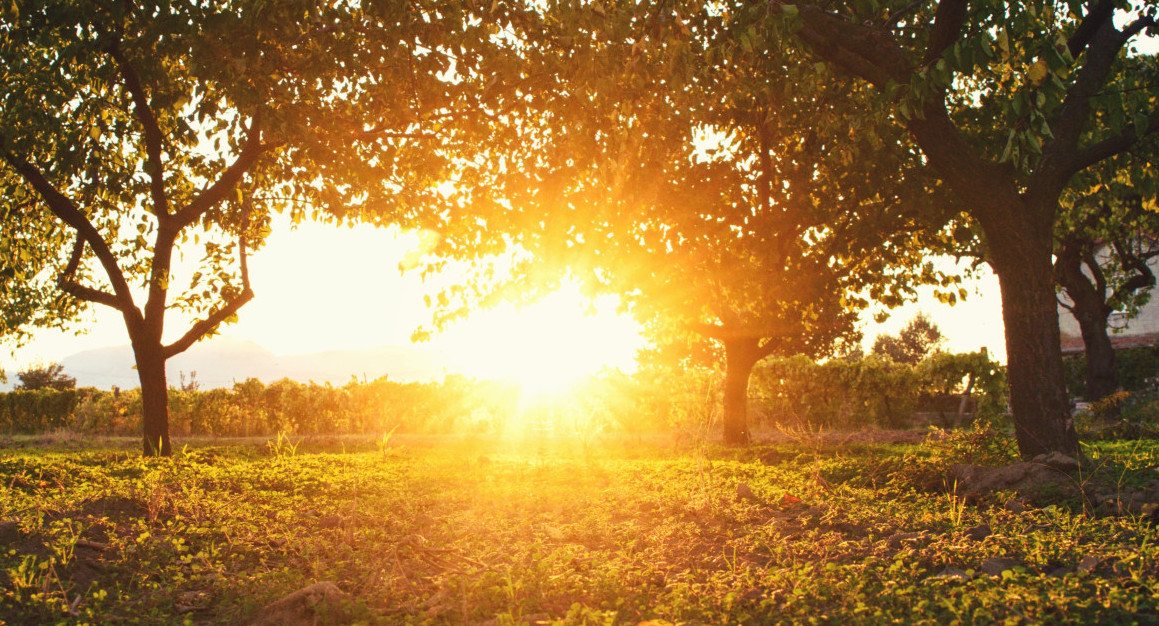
[1102, 376]
[740, 355]
[1038, 397]
[154, 398]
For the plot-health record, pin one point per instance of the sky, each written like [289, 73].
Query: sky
[323, 287]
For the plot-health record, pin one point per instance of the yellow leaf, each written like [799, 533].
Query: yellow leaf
[1038, 72]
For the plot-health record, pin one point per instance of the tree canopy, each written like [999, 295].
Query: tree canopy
[132, 131]
[916, 340]
[1001, 98]
[726, 188]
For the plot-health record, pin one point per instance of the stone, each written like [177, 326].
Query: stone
[319, 603]
[1057, 461]
[1089, 563]
[1014, 505]
[952, 573]
[977, 533]
[994, 566]
[744, 492]
[897, 540]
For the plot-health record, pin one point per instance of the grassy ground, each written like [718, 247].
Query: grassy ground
[487, 531]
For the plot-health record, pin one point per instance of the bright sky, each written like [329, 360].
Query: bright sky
[321, 287]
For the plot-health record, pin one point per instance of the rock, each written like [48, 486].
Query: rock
[996, 565]
[952, 573]
[1025, 477]
[1014, 505]
[320, 603]
[1089, 563]
[1057, 461]
[977, 533]
[744, 492]
[897, 540]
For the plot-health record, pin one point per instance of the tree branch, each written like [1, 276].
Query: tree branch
[947, 27]
[896, 16]
[67, 280]
[215, 319]
[1099, 15]
[1142, 278]
[220, 189]
[1102, 44]
[857, 49]
[153, 136]
[1109, 147]
[67, 212]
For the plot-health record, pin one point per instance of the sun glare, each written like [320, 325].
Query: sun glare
[548, 345]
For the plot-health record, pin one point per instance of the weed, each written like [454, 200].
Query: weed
[282, 447]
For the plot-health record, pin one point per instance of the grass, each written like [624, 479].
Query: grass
[472, 531]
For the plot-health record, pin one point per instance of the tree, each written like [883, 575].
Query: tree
[1103, 266]
[913, 343]
[1000, 97]
[49, 376]
[132, 131]
[674, 158]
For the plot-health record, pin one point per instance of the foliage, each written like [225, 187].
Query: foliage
[49, 376]
[1019, 109]
[855, 393]
[1136, 368]
[1135, 416]
[787, 393]
[469, 533]
[726, 189]
[133, 131]
[913, 343]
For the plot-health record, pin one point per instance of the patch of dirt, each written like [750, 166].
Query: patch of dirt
[841, 437]
[1041, 476]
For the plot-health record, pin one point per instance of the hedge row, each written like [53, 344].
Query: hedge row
[790, 391]
[875, 391]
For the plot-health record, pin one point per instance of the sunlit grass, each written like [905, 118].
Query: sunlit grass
[504, 530]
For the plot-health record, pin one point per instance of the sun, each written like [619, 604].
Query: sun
[548, 345]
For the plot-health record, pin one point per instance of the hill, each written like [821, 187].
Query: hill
[223, 360]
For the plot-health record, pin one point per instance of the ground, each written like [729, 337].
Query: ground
[487, 531]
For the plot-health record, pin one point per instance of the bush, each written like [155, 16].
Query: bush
[873, 391]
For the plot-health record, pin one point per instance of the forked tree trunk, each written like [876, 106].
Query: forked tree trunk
[740, 355]
[1102, 375]
[1042, 421]
[154, 399]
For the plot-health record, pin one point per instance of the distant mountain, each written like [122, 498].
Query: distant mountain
[223, 360]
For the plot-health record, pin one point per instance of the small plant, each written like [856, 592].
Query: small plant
[957, 506]
[282, 447]
[384, 443]
[984, 444]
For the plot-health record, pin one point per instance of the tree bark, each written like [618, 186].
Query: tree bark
[1102, 375]
[1038, 399]
[154, 397]
[740, 355]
